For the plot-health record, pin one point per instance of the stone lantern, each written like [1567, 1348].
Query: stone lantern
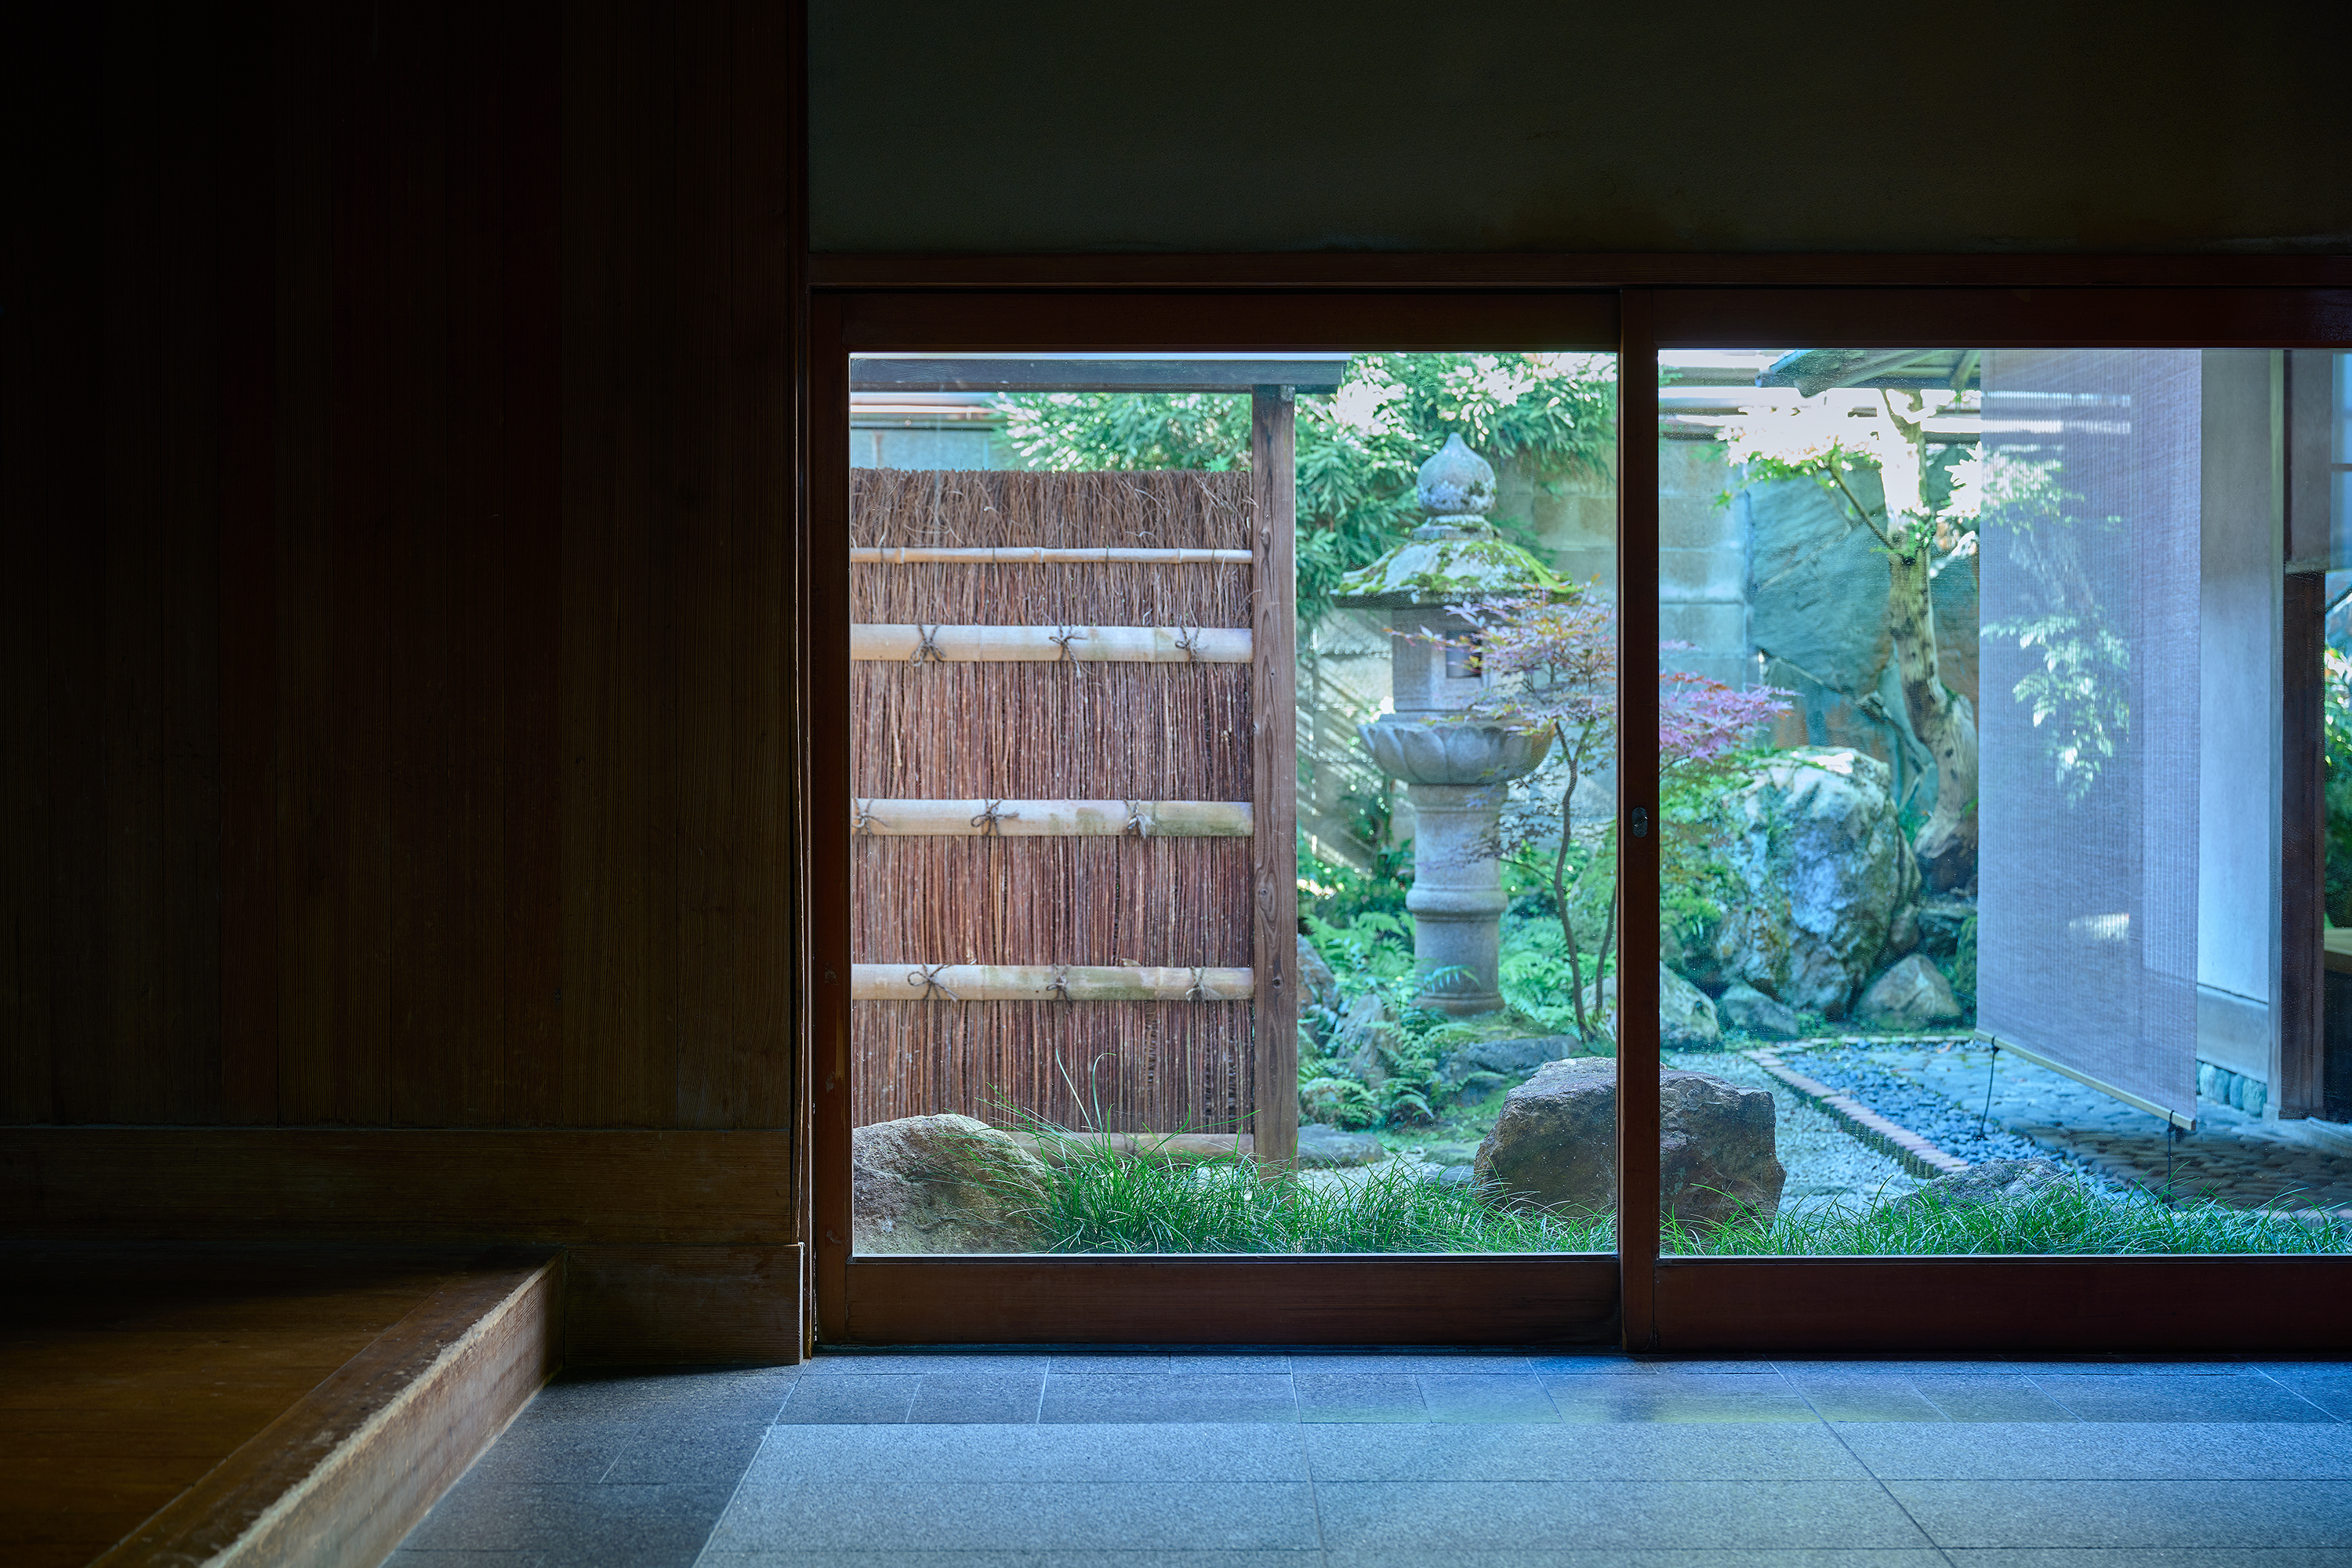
[1457, 771]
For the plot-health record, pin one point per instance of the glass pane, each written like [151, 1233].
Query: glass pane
[1071, 798]
[1976, 742]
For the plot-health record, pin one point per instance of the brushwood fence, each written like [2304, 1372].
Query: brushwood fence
[1059, 842]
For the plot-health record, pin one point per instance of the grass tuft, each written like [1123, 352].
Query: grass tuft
[1101, 1199]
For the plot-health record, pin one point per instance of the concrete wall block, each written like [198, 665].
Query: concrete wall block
[1707, 576]
[1712, 628]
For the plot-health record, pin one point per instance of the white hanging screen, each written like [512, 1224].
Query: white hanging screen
[2089, 564]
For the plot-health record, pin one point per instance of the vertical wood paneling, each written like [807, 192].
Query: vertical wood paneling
[620, 857]
[448, 690]
[735, 1051]
[397, 705]
[520, 102]
[305, 186]
[248, 392]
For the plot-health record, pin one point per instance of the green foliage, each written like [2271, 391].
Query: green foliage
[1535, 974]
[2078, 697]
[1961, 971]
[1100, 1199]
[2338, 712]
[2074, 1219]
[1358, 451]
[1092, 430]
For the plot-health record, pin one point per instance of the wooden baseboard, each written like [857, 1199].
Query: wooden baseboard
[1349, 1299]
[552, 1187]
[682, 1305]
[347, 1472]
[2010, 1306]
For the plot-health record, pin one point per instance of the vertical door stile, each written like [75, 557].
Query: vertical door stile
[1273, 773]
[1637, 840]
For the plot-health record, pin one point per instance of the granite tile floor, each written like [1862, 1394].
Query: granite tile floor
[1218, 1459]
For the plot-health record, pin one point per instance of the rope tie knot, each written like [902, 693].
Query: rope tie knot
[1138, 825]
[928, 976]
[1199, 990]
[865, 821]
[1188, 637]
[1062, 637]
[991, 820]
[1062, 981]
[927, 649]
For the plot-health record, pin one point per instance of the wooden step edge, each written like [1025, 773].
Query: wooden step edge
[342, 1476]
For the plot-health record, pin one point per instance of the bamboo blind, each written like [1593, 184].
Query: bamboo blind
[1053, 731]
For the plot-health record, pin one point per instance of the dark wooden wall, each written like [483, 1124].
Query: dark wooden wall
[397, 585]
[399, 483]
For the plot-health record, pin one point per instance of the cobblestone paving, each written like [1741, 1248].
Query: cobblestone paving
[2235, 1159]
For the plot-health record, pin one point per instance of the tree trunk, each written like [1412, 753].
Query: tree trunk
[1946, 843]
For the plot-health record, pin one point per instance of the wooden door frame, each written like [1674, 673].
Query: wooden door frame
[1636, 305]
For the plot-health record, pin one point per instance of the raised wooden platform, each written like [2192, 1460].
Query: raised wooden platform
[177, 1403]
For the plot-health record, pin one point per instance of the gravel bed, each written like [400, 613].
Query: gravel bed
[1827, 1165]
[1950, 1127]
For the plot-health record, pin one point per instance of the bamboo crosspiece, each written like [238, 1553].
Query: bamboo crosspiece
[912, 643]
[1051, 819]
[1047, 982]
[1026, 555]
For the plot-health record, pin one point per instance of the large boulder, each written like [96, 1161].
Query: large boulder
[1743, 1007]
[1822, 872]
[1315, 981]
[1912, 995]
[1555, 1145]
[1686, 1019]
[942, 1183]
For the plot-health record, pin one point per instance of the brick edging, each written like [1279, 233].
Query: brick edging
[1910, 1151]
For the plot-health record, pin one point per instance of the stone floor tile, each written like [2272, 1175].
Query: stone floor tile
[1613, 1515]
[870, 1516]
[2232, 1396]
[2151, 1557]
[1358, 1396]
[830, 1399]
[1221, 1363]
[1865, 1399]
[1085, 1397]
[2330, 1390]
[1110, 1557]
[1231, 1451]
[703, 1456]
[918, 1363]
[1113, 1362]
[1613, 1399]
[1404, 1364]
[1457, 1452]
[2049, 1515]
[576, 1523]
[1598, 1364]
[958, 1397]
[1516, 1397]
[552, 1451]
[1661, 1557]
[1990, 1399]
[2114, 1450]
